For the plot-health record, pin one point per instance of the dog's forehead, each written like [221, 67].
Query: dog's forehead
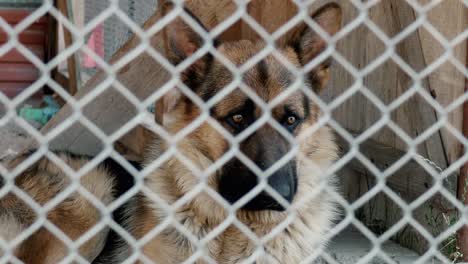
[267, 77]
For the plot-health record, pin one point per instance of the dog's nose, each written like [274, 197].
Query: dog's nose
[235, 184]
[284, 183]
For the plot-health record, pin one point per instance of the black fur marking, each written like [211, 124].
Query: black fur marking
[306, 105]
[212, 81]
[262, 69]
[123, 182]
[216, 41]
[192, 76]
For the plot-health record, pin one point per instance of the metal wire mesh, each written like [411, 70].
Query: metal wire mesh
[123, 12]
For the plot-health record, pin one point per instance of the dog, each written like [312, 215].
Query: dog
[73, 214]
[282, 221]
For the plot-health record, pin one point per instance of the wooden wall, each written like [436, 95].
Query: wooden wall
[388, 82]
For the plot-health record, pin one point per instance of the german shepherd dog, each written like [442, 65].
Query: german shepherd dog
[284, 221]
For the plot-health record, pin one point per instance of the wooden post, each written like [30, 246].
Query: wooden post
[62, 6]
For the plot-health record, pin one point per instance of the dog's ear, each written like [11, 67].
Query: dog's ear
[180, 42]
[308, 44]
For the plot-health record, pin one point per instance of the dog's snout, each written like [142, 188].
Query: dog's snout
[266, 147]
[284, 182]
[236, 183]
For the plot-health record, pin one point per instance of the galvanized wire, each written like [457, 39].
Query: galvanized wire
[114, 9]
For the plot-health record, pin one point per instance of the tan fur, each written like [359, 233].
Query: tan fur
[73, 216]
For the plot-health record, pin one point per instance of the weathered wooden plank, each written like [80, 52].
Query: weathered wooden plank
[447, 83]
[72, 60]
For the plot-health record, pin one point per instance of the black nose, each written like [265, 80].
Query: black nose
[284, 183]
[238, 181]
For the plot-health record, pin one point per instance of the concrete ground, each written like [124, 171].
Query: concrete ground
[351, 245]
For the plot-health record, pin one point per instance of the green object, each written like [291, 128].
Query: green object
[40, 115]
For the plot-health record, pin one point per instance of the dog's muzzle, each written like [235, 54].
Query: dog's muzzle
[238, 181]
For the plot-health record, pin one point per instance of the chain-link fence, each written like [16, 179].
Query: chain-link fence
[260, 131]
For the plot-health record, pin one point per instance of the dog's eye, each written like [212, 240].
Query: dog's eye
[291, 120]
[237, 119]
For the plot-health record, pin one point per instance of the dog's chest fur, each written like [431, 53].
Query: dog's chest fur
[290, 238]
[229, 245]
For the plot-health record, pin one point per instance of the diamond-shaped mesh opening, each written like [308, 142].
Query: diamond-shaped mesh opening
[357, 103]
[138, 11]
[421, 181]
[388, 81]
[459, 50]
[131, 144]
[446, 75]
[409, 237]
[350, 245]
[392, 17]
[449, 28]
[153, 69]
[15, 138]
[362, 54]
[387, 140]
[38, 108]
[217, 20]
[395, 251]
[450, 246]
[437, 215]
[341, 80]
[98, 40]
[17, 71]
[123, 105]
[67, 136]
[355, 180]
[415, 116]
[17, 206]
[243, 28]
[416, 57]
[379, 213]
[443, 164]
[269, 24]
